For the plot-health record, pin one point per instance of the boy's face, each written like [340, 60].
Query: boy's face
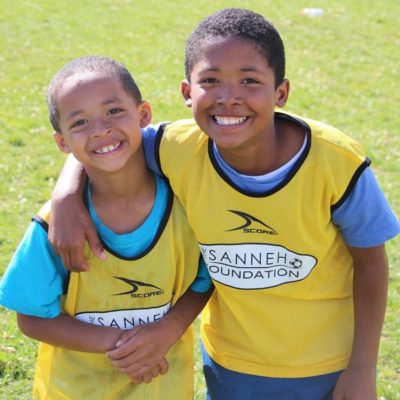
[100, 123]
[233, 96]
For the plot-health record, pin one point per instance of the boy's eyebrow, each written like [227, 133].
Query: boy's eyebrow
[249, 69]
[72, 114]
[112, 100]
[243, 69]
[210, 69]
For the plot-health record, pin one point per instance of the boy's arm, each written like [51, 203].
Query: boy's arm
[69, 333]
[370, 283]
[70, 223]
[144, 346]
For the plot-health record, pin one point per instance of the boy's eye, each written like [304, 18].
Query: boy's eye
[208, 81]
[250, 81]
[80, 122]
[115, 110]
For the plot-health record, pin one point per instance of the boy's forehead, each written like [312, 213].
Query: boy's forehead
[87, 86]
[85, 78]
[222, 49]
[87, 90]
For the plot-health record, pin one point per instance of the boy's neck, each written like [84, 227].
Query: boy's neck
[123, 199]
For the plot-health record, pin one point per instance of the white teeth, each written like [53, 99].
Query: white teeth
[107, 149]
[229, 120]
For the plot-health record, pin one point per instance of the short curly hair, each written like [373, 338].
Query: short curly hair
[80, 65]
[241, 24]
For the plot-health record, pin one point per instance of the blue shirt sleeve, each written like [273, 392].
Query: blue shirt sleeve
[35, 278]
[149, 136]
[365, 219]
[202, 282]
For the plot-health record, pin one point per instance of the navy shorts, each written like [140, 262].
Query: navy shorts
[224, 384]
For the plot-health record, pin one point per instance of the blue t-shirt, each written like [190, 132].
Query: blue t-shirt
[36, 279]
[365, 218]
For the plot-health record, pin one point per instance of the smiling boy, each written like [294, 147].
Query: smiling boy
[97, 113]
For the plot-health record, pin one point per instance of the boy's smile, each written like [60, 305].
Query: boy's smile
[100, 122]
[233, 97]
[108, 149]
[229, 120]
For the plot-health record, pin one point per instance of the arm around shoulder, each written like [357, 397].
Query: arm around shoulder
[70, 223]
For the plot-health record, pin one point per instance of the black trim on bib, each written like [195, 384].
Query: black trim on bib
[66, 283]
[352, 183]
[41, 222]
[290, 175]
[160, 229]
[157, 144]
[45, 227]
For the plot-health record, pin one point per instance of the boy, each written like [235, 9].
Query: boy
[97, 112]
[289, 218]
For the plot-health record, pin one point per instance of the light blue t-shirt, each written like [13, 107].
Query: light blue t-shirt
[36, 279]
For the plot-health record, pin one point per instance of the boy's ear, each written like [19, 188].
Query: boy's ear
[62, 145]
[282, 93]
[145, 114]
[185, 90]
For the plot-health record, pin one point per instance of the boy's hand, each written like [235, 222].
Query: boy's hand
[70, 224]
[141, 351]
[160, 369]
[356, 384]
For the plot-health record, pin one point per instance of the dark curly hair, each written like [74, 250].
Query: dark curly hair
[242, 24]
[79, 65]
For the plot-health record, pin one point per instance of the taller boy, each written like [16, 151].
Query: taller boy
[281, 259]
[290, 220]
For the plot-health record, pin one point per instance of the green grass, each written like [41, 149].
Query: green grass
[343, 67]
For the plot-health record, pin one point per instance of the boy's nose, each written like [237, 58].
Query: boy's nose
[101, 127]
[229, 96]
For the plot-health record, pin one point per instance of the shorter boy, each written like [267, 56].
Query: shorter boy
[97, 113]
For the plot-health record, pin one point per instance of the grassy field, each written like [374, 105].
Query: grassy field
[343, 67]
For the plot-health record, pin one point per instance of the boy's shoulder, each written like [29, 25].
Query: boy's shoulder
[182, 130]
[325, 136]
